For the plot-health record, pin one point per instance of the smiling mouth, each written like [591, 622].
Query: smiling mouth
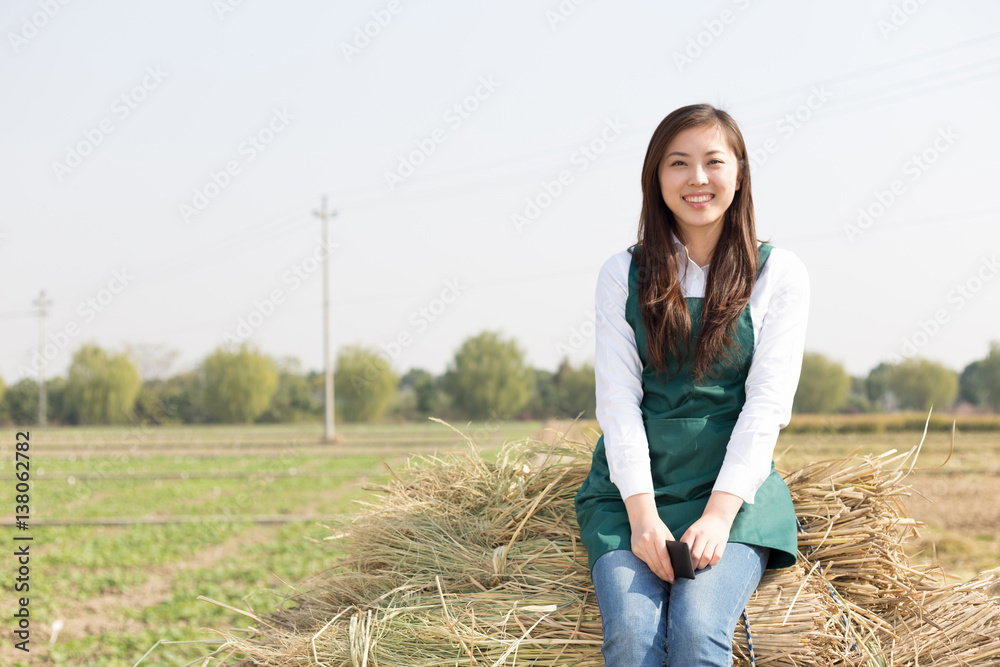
[698, 199]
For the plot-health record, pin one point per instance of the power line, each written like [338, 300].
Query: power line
[858, 73]
[865, 99]
[905, 223]
[17, 314]
[518, 176]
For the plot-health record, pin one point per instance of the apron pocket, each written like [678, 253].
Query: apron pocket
[686, 455]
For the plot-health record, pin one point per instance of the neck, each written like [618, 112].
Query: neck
[701, 242]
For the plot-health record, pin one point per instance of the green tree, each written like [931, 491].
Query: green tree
[425, 389]
[972, 385]
[544, 401]
[174, 400]
[60, 410]
[21, 402]
[877, 387]
[149, 407]
[183, 398]
[990, 370]
[857, 400]
[577, 390]
[238, 384]
[919, 384]
[293, 401]
[824, 385]
[101, 388]
[3, 390]
[364, 384]
[488, 378]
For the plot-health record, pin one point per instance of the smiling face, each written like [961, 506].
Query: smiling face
[698, 178]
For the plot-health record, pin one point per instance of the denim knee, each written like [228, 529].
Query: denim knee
[704, 611]
[633, 605]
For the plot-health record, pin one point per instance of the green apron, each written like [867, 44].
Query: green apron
[688, 427]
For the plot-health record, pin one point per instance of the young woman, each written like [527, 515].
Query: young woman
[700, 332]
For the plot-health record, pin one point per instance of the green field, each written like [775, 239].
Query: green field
[130, 527]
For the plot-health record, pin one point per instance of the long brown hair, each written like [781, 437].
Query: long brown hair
[733, 266]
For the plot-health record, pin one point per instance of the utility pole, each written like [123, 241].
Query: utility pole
[323, 215]
[43, 304]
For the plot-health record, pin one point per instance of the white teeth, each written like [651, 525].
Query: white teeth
[699, 199]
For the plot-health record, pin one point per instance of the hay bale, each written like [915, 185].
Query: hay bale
[465, 562]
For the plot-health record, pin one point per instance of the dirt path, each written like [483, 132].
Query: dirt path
[967, 503]
[104, 613]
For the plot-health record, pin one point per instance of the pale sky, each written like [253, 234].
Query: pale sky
[161, 163]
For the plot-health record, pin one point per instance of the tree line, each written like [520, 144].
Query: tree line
[911, 384]
[488, 378]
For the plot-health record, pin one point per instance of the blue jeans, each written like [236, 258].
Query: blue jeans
[649, 623]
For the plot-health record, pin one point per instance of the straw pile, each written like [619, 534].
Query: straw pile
[461, 561]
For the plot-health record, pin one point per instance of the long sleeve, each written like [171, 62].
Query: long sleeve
[618, 375]
[773, 376]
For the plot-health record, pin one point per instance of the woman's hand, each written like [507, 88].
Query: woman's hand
[649, 535]
[707, 537]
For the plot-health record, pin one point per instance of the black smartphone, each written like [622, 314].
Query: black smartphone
[680, 559]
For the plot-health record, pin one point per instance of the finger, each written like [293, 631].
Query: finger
[697, 549]
[651, 561]
[718, 554]
[711, 555]
[704, 554]
[668, 570]
[664, 562]
[705, 559]
[651, 555]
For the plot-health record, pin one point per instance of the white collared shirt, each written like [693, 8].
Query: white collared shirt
[779, 309]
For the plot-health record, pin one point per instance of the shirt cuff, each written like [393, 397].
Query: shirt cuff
[635, 484]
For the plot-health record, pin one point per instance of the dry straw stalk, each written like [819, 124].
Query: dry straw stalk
[461, 561]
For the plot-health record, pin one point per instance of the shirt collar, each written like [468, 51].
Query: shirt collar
[677, 242]
[685, 259]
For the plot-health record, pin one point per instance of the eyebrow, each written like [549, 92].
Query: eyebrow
[686, 155]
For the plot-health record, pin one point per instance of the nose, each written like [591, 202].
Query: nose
[698, 175]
